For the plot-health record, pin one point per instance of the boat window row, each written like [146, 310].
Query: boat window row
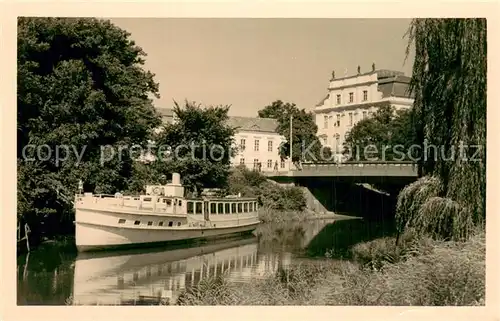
[151, 223]
[167, 201]
[194, 207]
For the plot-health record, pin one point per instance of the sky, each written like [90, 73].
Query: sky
[249, 63]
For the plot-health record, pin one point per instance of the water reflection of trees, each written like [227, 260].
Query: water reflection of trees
[43, 276]
[283, 235]
[339, 237]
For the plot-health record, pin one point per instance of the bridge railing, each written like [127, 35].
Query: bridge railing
[324, 165]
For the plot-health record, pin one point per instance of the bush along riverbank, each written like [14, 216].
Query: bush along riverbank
[418, 271]
[271, 196]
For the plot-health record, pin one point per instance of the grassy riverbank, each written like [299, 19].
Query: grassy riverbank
[419, 271]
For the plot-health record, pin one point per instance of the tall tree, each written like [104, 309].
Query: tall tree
[388, 135]
[449, 82]
[81, 86]
[305, 144]
[200, 146]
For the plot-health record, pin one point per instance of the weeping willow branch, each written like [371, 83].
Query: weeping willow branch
[449, 86]
[412, 197]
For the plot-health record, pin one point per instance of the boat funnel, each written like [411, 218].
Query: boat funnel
[176, 179]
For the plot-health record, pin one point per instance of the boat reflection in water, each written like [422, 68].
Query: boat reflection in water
[159, 276]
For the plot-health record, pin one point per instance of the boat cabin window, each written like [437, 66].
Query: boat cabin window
[227, 208]
[160, 223]
[179, 223]
[137, 222]
[199, 206]
[150, 223]
[121, 221]
[170, 223]
[233, 208]
[251, 206]
[180, 203]
[240, 207]
[167, 201]
[213, 208]
[220, 208]
[256, 206]
[245, 207]
[190, 207]
[147, 199]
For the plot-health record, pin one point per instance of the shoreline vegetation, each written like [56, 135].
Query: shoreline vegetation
[418, 271]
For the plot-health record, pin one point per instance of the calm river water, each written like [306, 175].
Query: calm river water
[54, 274]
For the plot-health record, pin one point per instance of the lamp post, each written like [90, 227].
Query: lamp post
[291, 143]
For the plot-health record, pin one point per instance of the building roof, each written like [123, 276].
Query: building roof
[395, 86]
[240, 123]
[391, 83]
[253, 124]
[165, 112]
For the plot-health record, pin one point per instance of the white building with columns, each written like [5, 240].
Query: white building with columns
[352, 98]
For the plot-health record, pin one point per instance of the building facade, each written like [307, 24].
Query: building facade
[258, 144]
[256, 141]
[353, 98]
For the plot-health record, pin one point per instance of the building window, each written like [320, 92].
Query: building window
[242, 144]
[338, 100]
[365, 95]
[255, 163]
[242, 161]
[269, 163]
[350, 119]
[256, 146]
[351, 97]
[330, 120]
[364, 115]
[337, 141]
[338, 120]
[325, 125]
[282, 164]
[270, 146]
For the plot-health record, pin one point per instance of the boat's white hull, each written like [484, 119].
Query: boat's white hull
[111, 222]
[90, 236]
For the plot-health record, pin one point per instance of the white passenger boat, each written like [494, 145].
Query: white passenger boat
[161, 215]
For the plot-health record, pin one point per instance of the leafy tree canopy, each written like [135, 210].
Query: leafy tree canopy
[81, 85]
[305, 144]
[387, 136]
[199, 144]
